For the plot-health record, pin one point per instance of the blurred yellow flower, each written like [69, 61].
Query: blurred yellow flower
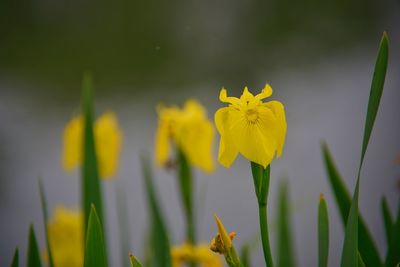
[108, 139]
[66, 237]
[249, 126]
[190, 130]
[187, 253]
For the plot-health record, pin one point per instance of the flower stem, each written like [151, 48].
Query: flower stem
[262, 211]
[261, 179]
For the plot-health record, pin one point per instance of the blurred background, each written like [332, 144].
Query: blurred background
[317, 55]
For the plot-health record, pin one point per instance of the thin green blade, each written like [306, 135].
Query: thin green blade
[360, 261]
[33, 258]
[123, 221]
[285, 246]
[95, 253]
[91, 186]
[160, 241]
[323, 233]
[45, 220]
[15, 261]
[387, 220]
[366, 244]
[377, 84]
[393, 255]
[134, 261]
[245, 255]
[350, 246]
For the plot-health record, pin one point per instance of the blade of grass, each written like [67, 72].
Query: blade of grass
[393, 255]
[123, 221]
[323, 233]
[245, 255]
[95, 253]
[161, 245]
[285, 247]
[33, 258]
[15, 261]
[360, 261]
[350, 246]
[387, 220]
[45, 220]
[134, 261]
[366, 243]
[91, 186]
[378, 81]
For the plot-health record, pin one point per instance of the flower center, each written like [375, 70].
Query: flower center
[251, 115]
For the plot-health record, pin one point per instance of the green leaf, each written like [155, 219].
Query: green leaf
[123, 221]
[323, 233]
[245, 255]
[91, 186]
[360, 261]
[160, 241]
[134, 261]
[15, 260]
[45, 220]
[387, 219]
[95, 253]
[377, 84]
[350, 246]
[33, 258]
[366, 244]
[285, 246]
[186, 189]
[393, 255]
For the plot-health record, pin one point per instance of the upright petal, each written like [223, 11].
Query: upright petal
[162, 146]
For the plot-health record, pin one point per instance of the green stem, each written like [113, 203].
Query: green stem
[186, 188]
[262, 211]
[261, 179]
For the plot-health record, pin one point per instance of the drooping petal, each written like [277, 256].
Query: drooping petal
[254, 140]
[108, 138]
[72, 143]
[162, 146]
[227, 150]
[280, 124]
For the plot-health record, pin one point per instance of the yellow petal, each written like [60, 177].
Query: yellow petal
[279, 125]
[255, 141]
[108, 139]
[266, 92]
[223, 97]
[72, 143]
[227, 150]
[162, 146]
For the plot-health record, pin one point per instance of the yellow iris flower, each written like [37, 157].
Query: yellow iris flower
[201, 254]
[190, 130]
[249, 126]
[108, 139]
[66, 237]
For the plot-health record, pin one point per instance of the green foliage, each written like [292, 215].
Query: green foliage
[342, 196]
[15, 261]
[285, 243]
[33, 258]
[393, 255]
[245, 255]
[323, 233]
[91, 186]
[45, 221]
[159, 234]
[95, 253]
[387, 220]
